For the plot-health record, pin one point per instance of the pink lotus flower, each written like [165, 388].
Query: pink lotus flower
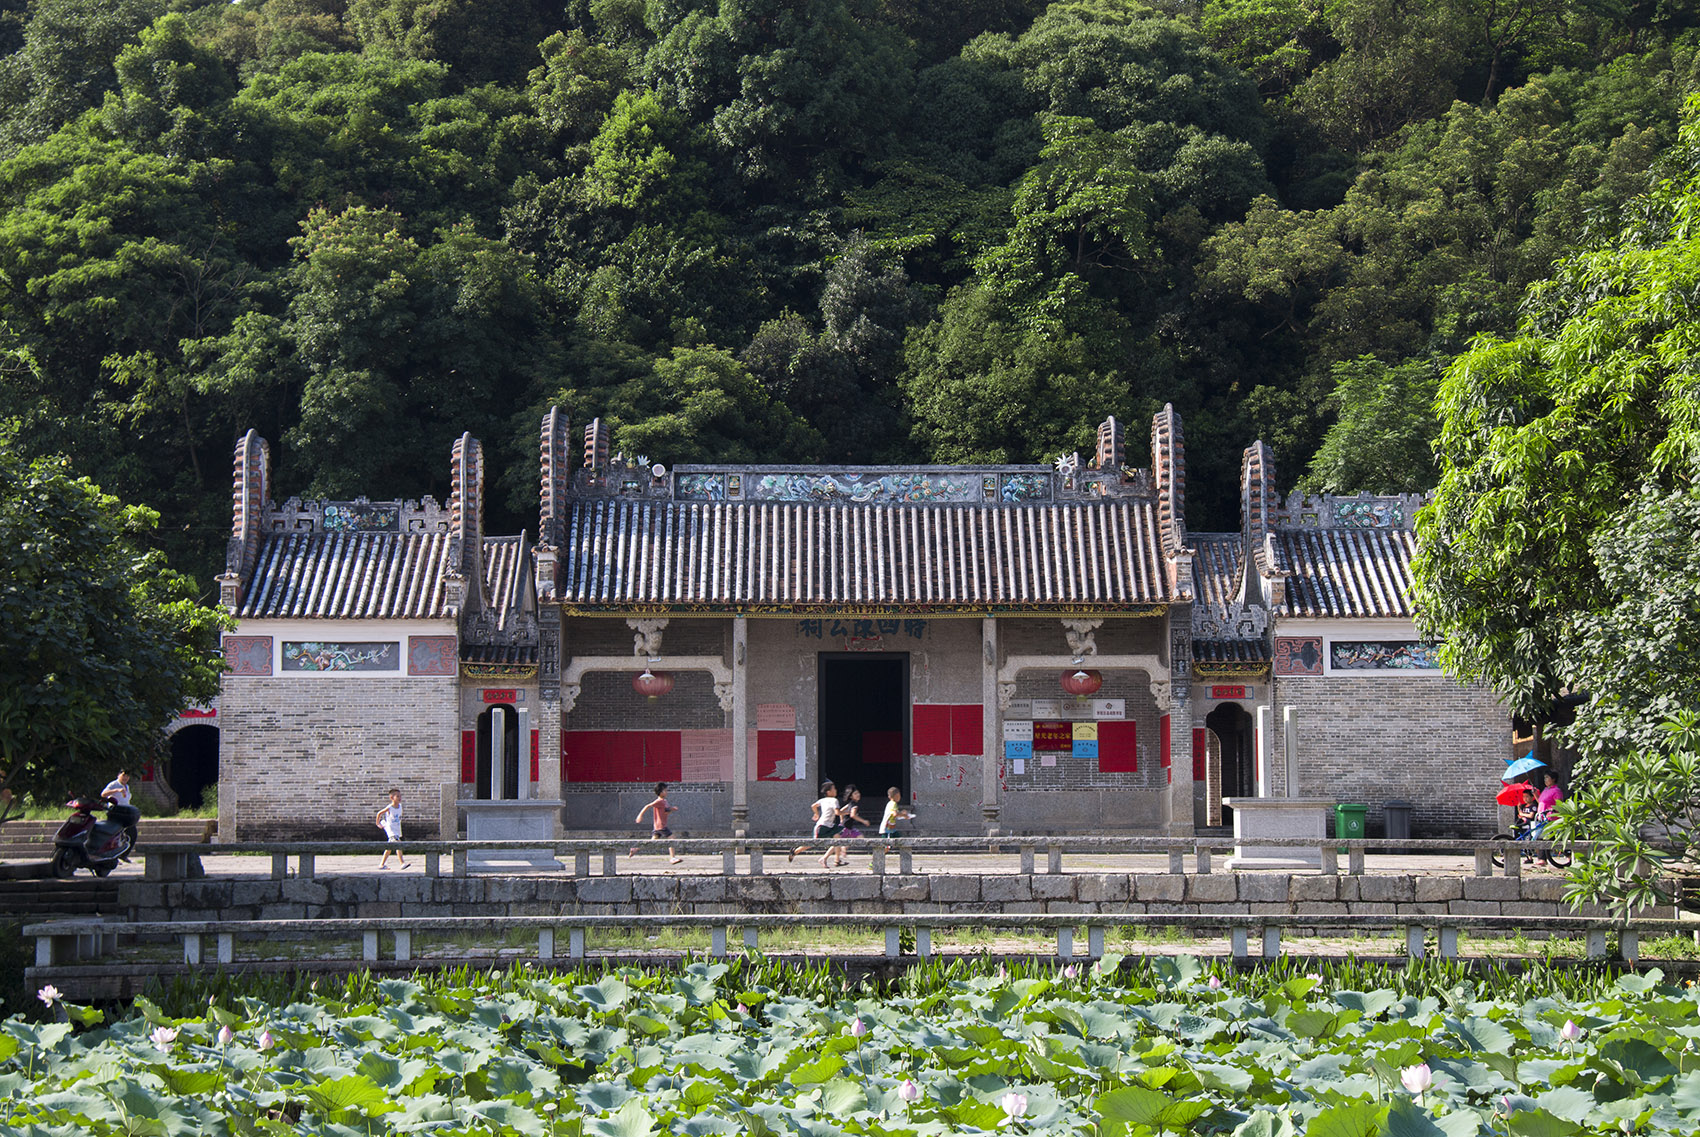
[1570, 1032]
[909, 1091]
[858, 1028]
[225, 1034]
[1417, 1079]
[48, 995]
[1070, 971]
[266, 1040]
[1014, 1105]
[743, 1010]
[1215, 983]
[162, 1038]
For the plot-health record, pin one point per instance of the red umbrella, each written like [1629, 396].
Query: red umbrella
[1511, 794]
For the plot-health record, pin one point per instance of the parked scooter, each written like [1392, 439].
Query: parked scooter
[84, 843]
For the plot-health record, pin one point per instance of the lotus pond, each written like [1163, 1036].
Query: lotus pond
[1152, 1046]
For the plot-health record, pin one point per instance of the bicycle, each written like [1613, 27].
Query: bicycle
[1556, 857]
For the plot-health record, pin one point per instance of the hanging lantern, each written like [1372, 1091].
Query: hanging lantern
[1081, 682]
[652, 684]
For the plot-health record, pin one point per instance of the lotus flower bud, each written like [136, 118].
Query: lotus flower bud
[858, 1028]
[1570, 1032]
[1417, 1078]
[225, 1034]
[909, 1091]
[266, 1040]
[1215, 983]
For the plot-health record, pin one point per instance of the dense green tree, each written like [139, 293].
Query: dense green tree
[1273, 41]
[263, 35]
[65, 66]
[1383, 433]
[481, 41]
[100, 643]
[1568, 459]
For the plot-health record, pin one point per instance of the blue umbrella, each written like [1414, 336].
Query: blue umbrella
[1520, 767]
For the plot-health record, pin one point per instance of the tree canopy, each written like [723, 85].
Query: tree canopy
[1559, 555]
[845, 230]
[101, 644]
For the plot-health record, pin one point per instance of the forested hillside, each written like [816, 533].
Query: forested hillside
[817, 230]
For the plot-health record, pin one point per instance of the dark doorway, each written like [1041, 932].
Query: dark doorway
[508, 718]
[194, 764]
[1233, 724]
[864, 725]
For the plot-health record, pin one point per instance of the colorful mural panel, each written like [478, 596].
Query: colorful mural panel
[1298, 655]
[862, 490]
[700, 487]
[1369, 515]
[1026, 487]
[361, 517]
[248, 655]
[432, 655]
[1383, 655]
[326, 655]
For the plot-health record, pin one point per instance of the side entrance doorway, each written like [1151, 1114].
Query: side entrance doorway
[498, 739]
[864, 724]
[194, 764]
[1233, 764]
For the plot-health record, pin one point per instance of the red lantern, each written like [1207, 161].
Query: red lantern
[654, 684]
[1080, 682]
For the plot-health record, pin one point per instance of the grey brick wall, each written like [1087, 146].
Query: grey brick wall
[314, 758]
[1424, 739]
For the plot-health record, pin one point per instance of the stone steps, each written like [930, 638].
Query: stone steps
[33, 840]
[40, 899]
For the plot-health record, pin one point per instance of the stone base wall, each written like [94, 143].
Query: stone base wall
[921, 893]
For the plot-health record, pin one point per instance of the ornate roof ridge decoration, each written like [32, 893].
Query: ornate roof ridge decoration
[859, 486]
[356, 515]
[1350, 511]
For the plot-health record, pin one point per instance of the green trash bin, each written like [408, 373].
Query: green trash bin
[1349, 821]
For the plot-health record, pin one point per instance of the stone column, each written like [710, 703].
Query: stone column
[1177, 713]
[527, 790]
[991, 726]
[740, 725]
[498, 754]
[1290, 748]
[1268, 748]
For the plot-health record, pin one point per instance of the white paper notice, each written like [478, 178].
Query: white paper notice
[1047, 759]
[802, 758]
[1020, 765]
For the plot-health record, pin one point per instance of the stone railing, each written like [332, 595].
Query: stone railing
[63, 948]
[173, 861]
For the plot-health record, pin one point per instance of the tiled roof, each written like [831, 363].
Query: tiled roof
[354, 575]
[505, 566]
[1216, 567]
[1346, 572]
[791, 555]
[519, 654]
[1230, 651]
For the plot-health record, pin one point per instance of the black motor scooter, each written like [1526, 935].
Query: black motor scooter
[82, 842]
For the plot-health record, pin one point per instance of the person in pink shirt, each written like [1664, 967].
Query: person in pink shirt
[1551, 794]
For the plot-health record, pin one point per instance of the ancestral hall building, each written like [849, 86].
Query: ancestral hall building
[1017, 648]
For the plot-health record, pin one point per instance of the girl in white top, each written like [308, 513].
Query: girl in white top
[825, 814]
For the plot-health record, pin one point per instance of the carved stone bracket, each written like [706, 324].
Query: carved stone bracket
[647, 642]
[1006, 695]
[569, 697]
[723, 692]
[1163, 691]
[1081, 640]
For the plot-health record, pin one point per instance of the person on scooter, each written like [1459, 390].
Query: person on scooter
[118, 792]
